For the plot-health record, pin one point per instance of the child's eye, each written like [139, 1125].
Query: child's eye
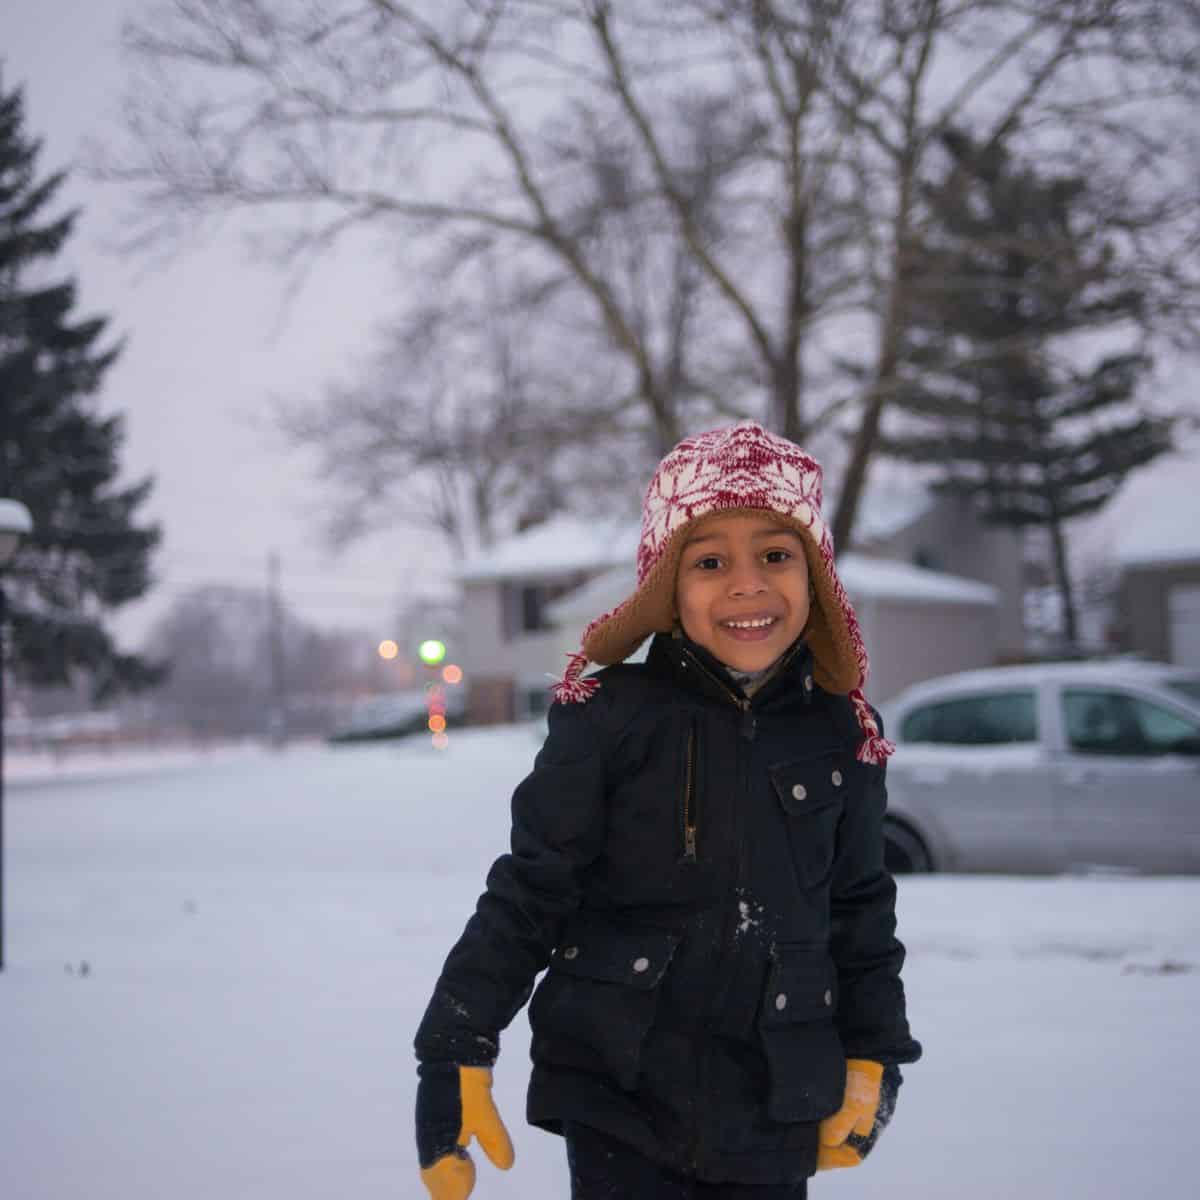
[710, 562]
[777, 556]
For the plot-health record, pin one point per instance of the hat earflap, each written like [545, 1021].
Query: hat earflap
[571, 688]
[874, 749]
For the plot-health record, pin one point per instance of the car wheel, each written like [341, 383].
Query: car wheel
[904, 853]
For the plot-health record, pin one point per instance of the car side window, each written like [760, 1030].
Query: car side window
[1164, 731]
[991, 719]
[1108, 722]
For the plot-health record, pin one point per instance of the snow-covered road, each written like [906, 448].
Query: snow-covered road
[215, 969]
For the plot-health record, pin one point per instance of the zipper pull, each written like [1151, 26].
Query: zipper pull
[689, 842]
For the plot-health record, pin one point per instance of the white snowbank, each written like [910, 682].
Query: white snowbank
[261, 933]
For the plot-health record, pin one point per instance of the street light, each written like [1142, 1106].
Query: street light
[15, 523]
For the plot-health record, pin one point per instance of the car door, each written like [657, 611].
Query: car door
[973, 766]
[1129, 771]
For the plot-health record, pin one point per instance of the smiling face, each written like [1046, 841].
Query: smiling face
[742, 589]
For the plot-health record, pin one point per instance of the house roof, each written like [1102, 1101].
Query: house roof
[887, 509]
[569, 543]
[862, 576]
[561, 546]
[1151, 521]
[885, 579]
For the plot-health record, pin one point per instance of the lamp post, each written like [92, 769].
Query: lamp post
[15, 523]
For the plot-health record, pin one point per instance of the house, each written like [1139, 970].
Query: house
[509, 646]
[942, 533]
[1152, 535]
[916, 623]
[935, 591]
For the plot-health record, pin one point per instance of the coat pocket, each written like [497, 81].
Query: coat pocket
[812, 794]
[805, 1060]
[596, 1003]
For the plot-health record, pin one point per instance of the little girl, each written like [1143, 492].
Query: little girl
[698, 858]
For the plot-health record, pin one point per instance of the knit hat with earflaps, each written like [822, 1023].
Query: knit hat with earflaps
[738, 469]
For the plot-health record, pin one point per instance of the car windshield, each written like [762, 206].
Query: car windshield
[1189, 687]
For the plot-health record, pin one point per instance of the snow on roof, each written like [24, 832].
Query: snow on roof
[886, 509]
[886, 579]
[568, 543]
[560, 546]
[862, 576]
[1152, 519]
[599, 595]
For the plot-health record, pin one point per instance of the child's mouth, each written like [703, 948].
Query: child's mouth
[750, 629]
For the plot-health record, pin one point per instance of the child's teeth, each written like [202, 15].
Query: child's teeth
[750, 624]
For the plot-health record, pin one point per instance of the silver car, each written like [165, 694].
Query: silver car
[1052, 767]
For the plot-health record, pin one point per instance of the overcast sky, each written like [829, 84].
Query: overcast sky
[210, 336]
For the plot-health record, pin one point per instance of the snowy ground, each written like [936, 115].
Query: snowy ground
[215, 968]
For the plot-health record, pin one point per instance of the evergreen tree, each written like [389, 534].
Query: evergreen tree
[1015, 281]
[58, 455]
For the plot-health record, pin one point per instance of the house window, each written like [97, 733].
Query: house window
[523, 605]
[533, 603]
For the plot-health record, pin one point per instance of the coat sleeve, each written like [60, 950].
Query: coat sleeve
[557, 831]
[871, 1019]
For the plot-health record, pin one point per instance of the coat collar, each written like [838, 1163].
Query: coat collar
[695, 669]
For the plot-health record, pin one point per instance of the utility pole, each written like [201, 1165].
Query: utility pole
[3, 620]
[278, 717]
[15, 523]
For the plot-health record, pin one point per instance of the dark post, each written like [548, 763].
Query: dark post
[279, 714]
[3, 622]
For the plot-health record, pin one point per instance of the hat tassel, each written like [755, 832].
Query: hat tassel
[874, 749]
[571, 689]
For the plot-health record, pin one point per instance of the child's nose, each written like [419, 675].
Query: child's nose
[747, 580]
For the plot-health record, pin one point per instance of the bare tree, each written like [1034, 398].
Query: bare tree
[721, 193]
[456, 422]
[1075, 81]
[663, 165]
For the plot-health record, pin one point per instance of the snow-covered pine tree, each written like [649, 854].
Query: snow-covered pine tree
[1023, 352]
[58, 454]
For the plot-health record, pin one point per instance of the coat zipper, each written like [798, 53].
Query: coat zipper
[748, 724]
[747, 729]
[689, 797]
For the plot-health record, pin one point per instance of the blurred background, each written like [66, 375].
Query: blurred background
[337, 343]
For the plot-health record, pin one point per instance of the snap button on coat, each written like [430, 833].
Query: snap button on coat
[837, 778]
[800, 791]
[828, 998]
[641, 964]
[781, 1001]
[571, 952]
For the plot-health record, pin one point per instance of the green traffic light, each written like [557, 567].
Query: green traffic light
[432, 652]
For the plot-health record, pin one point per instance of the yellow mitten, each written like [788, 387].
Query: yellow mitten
[848, 1136]
[454, 1105]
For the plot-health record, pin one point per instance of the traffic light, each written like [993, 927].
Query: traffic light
[432, 652]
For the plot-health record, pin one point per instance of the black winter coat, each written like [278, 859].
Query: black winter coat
[704, 876]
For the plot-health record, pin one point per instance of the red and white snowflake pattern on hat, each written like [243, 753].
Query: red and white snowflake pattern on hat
[741, 468]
